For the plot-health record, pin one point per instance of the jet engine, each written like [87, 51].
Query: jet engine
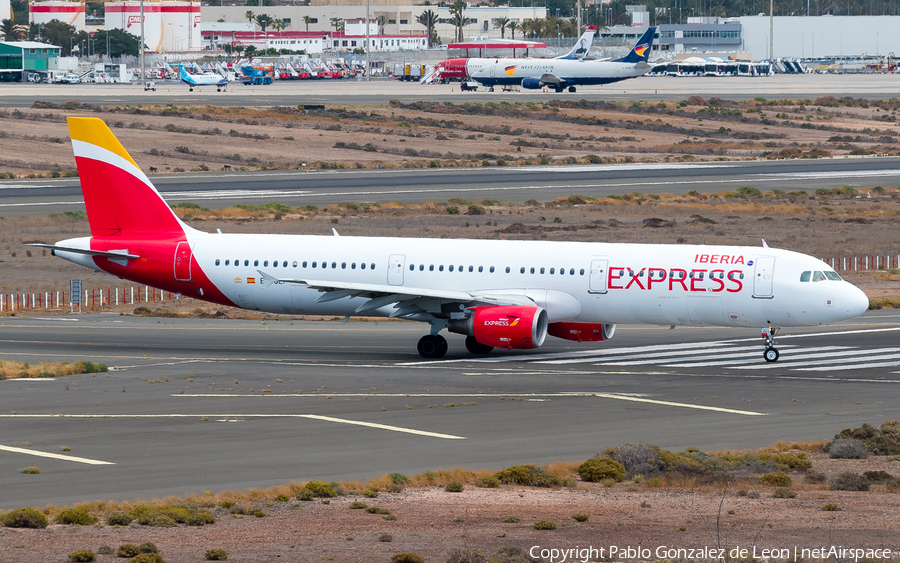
[510, 327]
[582, 332]
[532, 83]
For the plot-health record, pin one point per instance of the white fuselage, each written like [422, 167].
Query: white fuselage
[513, 71]
[573, 281]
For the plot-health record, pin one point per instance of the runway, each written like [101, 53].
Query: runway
[196, 405]
[544, 183]
[382, 91]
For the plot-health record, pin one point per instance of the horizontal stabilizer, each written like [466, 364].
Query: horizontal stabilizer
[117, 254]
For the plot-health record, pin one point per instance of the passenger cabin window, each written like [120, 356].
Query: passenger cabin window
[470, 268]
[581, 272]
[266, 263]
[217, 261]
[804, 277]
[294, 264]
[451, 267]
[343, 265]
[571, 271]
[363, 266]
[411, 267]
[421, 267]
[228, 262]
[304, 263]
[441, 268]
[522, 270]
[431, 268]
[256, 262]
[507, 269]
[284, 264]
[492, 269]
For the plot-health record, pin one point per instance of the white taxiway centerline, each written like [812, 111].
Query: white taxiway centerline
[55, 456]
[202, 415]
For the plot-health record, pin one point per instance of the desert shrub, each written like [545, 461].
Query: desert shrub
[847, 448]
[25, 518]
[83, 555]
[370, 493]
[159, 521]
[814, 477]
[201, 518]
[30, 470]
[148, 547]
[127, 550]
[637, 459]
[776, 479]
[320, 489]
[148, 558]
[407, 558]
[528, 475]
[511, 520]
[831, 507]
[216, 555]
[356, 505]
[119, 519]
[454, 487]
[581, 517]
[488, 483]
[848, 482]
[598, 469]
[376, 510]
[259, 514]
[76, 516]
[385, 538]
[544, 525]
[792, 461]
[783, 492]
[399, 479]
[878, 476]
[453, 210]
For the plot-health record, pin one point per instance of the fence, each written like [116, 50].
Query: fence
[864, 263]
[93, 298]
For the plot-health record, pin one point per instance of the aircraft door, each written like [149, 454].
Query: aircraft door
[763, 277]
[395, 271]
[493, 70]
[183, 259]
[598, 276]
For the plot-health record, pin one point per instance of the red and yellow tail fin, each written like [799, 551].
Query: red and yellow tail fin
[118, 196]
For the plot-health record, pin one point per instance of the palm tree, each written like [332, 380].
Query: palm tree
[429, 19]
[458, 19]
[9, 31]
[249, 15]
[531, 27]
[307, 20]
[513, 25]
[501, 23]
[278, 24]
[337, 24]
[382, 23]
[264, 21]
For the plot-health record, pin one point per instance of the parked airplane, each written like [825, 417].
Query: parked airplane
[202, 78]
[455, 69]
[499, 293]
[560, 74]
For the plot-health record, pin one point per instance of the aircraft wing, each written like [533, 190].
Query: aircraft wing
[406, 300]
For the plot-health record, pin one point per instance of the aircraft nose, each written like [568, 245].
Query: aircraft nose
[857, 301]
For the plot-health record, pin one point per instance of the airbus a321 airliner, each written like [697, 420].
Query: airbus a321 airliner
[499, 293]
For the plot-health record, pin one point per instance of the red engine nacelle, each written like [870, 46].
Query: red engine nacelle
[510, 327]
[582, 332]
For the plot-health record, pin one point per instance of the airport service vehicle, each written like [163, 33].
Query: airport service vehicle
[561, 74]
[455, 69]
[499, 293]
[257, 75]
[202, 79]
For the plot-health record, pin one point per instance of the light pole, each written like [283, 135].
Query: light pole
[141, 52]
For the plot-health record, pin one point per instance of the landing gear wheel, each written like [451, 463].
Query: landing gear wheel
[432, 346]
[771, 354]
[476, 347]
[572, 89]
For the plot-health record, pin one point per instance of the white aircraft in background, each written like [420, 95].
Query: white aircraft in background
[561, 74]
[499, 293]
[202, 78]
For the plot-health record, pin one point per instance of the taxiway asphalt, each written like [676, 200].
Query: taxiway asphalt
[196, 405]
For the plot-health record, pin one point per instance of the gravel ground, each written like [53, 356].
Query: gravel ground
[434, 523]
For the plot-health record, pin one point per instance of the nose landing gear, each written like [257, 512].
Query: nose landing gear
[768, 334]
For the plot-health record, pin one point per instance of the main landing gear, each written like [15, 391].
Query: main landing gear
[432, 346]
[768, 334]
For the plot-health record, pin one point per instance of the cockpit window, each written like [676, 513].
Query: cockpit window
[832, 276]
[818, 276]
[804, 277]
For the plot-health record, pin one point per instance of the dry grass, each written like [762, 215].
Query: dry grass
[21, 370]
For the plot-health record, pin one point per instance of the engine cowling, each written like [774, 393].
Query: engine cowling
[513, 327]
[532, 83]
[582, 332]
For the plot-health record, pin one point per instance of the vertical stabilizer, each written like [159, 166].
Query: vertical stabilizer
[641, 51]
[583, 46]
[118, 196]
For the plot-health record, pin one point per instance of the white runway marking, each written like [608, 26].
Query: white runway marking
[54, 456]
[202, 415]
[618, 396]
[846, 357]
